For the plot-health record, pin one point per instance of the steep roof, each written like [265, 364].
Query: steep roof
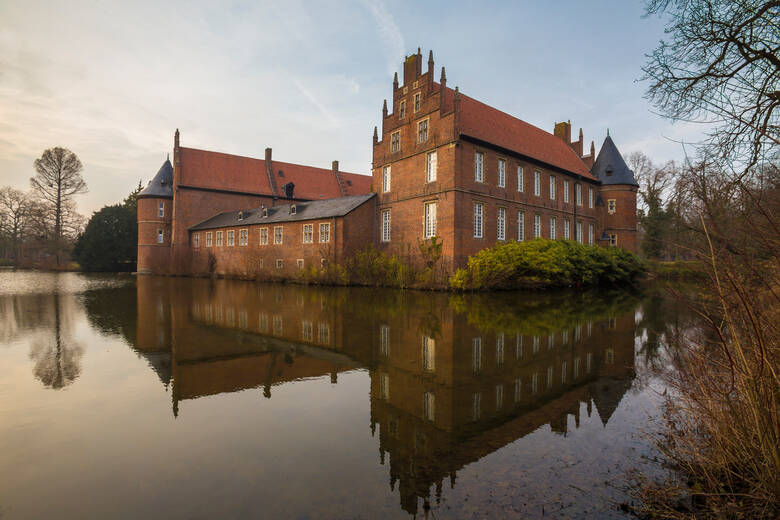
[316, 209]
[610, 168]
[160, 185]
[491, 125]
[223, 171]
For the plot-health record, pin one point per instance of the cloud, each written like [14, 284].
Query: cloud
[389, 33]
[334, 121]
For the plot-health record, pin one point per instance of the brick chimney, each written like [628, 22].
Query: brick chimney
[412, 68]
[269, 171]
[563, 130]
[342, 188]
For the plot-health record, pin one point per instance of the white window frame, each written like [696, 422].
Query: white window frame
[479, 220]
[611, 206]
[422, 131]
[209, 239]
[537, 226]
[219, 239]
[417, 102]
[502, 173]
[395, 141]
[537, 183]
[476, 355]
[501, 223]
[279, 263]
[299, 261]
[324, 232]
[308, 234]
[520, 180]
[578, 231]
[263, 236]
[566, 231]
[552, 187]
[520, 226]
[578, 194]
[429, 354]
[161, 209]
[386, 178]
[243, 237]
[552, 228]
[590, 197]
[429, 220]
[613, 240]
[431, 164]
[566, 191]
[429, 406]
[402, 109]
[591, 233]
[160, 236]
[386, 225]
[278, 235]
[479, 167]
[231, 238]
[196, 240]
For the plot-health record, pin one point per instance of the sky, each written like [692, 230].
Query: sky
[112, 81]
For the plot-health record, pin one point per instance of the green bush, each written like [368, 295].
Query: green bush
[546, 263]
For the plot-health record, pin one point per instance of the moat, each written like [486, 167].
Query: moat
[150, 397]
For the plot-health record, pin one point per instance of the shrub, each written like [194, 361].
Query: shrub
[546, 263]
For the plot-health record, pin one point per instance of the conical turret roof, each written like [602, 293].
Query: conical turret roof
[610, 168]
[162, 183]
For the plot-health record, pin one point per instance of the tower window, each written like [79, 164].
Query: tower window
[611, 206]
[161, 210]
[501, 173]
[422, 131]
[430, 167]
[402, 109]
[417, 102]
[386, 225]
[395, 142]
[479, 162]
[386, 179]
[160, 236]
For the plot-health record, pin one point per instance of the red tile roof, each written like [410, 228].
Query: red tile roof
[223, 171]
[491, 125]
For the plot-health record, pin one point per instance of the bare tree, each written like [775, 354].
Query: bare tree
[57, 181]
[15, 207]
[721, 65]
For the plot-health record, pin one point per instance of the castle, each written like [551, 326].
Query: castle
[445, 165]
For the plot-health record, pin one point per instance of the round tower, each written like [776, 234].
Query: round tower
[618, 192]
[155, 208]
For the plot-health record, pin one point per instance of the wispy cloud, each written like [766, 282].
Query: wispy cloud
[390, 34]
[316, 102]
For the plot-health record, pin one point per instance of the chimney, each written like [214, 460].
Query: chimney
[335, 166]
[342, 188]
[563, 130]
[412, 68]
[269, 171]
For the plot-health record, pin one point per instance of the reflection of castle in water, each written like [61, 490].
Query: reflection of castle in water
[452, 378]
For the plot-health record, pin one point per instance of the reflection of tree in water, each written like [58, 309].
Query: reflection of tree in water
[58, 359]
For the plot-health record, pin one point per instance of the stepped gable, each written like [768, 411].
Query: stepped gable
[221, 171]
[316, 209]
[483, 122]
[610, 168]
[161, 184]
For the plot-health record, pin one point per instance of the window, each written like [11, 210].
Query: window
[501, 224]
[430, 167]
[324, 333]
[520, 180]
[219, 238]
[430, 219]
[537, 226]
[386, 179]
[537, 184]
[263, 236]
[500, 349]
[479, 209]
[417, 102]
[578, 232]
[534, 382]
[325, 232]
[278, 234]
[552, 228]
[549, 377]
[196, 240]
[422, 131]
[429, 354]
[499, 397]
[590, 234]
[307, 330]
[231, 238]
[611, 206]
[501, 173]
[552, 187]
[520, 226]
[610, 356]
[479, 159]
[590, 197]
[386, 225]
[576, 367]
[476, 354]
[566, 191]
[613, 240]
[384, 387]
[160, 236]
[518, 389]
[563, 372]
[395, 142]
[161, 210]
[566, 229]
[384, 340]
[293, 209]
[277, 323]
[308, 233]
[208, 239]
[279, 263]
[578, 194]
[429, 406]
[323, 262]
[402, 109]
[243, 237]
[476, 406]
[300, 263]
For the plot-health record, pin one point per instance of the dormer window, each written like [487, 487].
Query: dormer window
[609, 171]
[265, 211]
[240, 215]
[293, 210]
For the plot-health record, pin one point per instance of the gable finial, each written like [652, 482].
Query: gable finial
[395, 81]
[607, 132]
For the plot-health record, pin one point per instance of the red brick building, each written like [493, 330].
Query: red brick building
[445, 166]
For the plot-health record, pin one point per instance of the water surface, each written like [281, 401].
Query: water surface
[180, 398]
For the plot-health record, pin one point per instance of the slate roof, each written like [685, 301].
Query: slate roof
[315, 209]
[491, 125]
[610, 168]
[161, 184]
[207, 169]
